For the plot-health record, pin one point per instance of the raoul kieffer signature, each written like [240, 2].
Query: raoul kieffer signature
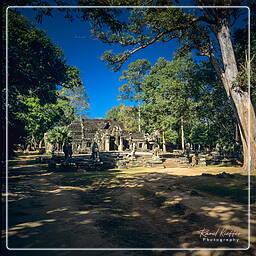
[219, 235]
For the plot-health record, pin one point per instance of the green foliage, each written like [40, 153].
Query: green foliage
[212, 118]
[32, 56]
[58, 134]
[74, 91]
[199, 133]
[182, 88]
[126, 114]
[241, 50]
[168, 90]
[197, 31]
[168, 96]
[144, 27]
[134, 76]
[72, 77]
[42, 91]
[170, 136]
[38, 118]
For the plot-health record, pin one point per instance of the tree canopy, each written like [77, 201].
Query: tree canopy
[207, 32]
[128, 115]
[42, 90]
[182, 91]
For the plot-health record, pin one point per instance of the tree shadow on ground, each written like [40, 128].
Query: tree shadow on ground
[117, 209]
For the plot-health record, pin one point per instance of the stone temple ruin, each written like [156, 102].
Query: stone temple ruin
[100, 144]
[108, 134]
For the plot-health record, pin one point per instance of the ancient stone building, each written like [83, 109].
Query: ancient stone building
[108, 134]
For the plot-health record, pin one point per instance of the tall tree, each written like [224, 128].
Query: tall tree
[241, 40]
[211, 35]
[147, 26]
[37, 71]
[39, 118]
[125, 114]
[29, 71]
[182, 96]
[134, 76]
[169, 96]
[74, 91]
[213, 121]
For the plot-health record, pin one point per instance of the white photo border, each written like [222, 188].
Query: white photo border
[128, 249]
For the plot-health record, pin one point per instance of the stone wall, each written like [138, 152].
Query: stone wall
[108, 134]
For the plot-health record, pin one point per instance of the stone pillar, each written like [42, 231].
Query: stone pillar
[121, 145]
[107, 143]
[117, 143]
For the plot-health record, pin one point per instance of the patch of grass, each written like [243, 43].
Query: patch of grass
[221, 168]
[135, 170]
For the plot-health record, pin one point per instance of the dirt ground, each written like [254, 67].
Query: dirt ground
[136, 208]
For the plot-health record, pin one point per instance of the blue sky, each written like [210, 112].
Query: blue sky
[101, 83]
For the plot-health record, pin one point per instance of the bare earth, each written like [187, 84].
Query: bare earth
[135, 208]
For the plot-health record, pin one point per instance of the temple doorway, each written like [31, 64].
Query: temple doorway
[113, 143]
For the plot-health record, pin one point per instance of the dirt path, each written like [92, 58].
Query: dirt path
[157, 208]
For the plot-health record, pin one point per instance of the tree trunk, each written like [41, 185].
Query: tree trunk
[164, 144]
[33, 143]
[139, 117]
[182, 134]
[241, 102]
[41, 143]
[237, 138]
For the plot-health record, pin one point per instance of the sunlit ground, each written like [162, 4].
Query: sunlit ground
[131, 208]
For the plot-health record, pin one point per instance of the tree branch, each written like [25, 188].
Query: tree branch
[123, 58]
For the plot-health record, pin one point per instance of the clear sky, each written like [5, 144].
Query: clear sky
[101, 83]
